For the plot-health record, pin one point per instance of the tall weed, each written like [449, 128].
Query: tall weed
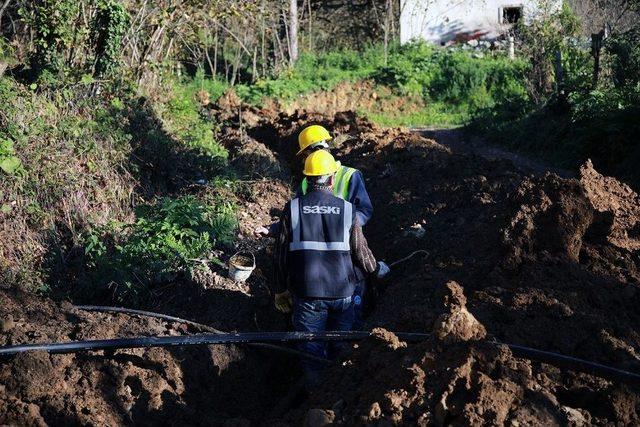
[167, 239]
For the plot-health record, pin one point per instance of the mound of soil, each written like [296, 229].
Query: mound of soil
[535, 260]
[359, 96]
[193, 386]
[618, 206]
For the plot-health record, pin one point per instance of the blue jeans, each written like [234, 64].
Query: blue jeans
[318, 315]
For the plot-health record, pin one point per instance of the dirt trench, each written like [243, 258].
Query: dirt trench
[535, 260]
[542, 261]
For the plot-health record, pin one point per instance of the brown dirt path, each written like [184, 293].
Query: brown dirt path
[460, 142]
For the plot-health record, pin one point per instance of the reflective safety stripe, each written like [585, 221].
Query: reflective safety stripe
[319, 246]
[297, 244]
[295, 219]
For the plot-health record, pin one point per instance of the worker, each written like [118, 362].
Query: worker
[319, 246]
[348, 184]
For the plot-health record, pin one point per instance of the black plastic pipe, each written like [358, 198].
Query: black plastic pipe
[574, 364]
[571, 363]
[206, 328]
[197, 339]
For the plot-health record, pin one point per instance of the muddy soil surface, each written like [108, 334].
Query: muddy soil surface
[536, 260]
[193, 386]
[539, 260]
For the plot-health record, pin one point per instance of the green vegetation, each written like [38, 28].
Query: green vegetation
[450, 85]
[65, 154]
[74, 165]
[170, 238]
[463, 81]
[577, 118]
[107, 30]
[184, 119]
[10, 164]
[315, 72]
[438, 114]
[53, 21]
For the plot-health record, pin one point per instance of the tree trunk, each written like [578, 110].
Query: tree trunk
[254, 71]
[310, 18]
[559, 72]
[596, 47]
[387, 23]
[2, 9]
[293, 31]
[215, 54]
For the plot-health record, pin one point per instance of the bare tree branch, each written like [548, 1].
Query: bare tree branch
[2, 9]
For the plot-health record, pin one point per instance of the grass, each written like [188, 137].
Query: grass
[451, 83]
[315, 72]
[183, 116]
[436, 114]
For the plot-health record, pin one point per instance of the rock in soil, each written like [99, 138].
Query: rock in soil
[457, 324]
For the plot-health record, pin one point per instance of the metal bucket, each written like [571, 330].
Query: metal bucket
[239, 268]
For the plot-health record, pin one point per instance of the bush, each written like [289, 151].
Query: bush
[55, 31]
[478, 82]
[625, 49]
[184, 118]
[410, 69]
[167, 239]
[462, 80]
[107, 30]
[314, 72]
[553, 31]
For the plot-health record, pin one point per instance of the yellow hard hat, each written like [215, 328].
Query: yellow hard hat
[312, 135]
[320, 163]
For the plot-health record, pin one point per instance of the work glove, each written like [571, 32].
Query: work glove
[261, 232]
[383, 269]
[284, 302]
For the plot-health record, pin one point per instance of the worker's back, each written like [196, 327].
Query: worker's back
[320, 264]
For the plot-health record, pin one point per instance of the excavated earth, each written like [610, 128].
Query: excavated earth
[513, 256]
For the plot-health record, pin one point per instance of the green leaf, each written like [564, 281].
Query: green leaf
[33, 86]
[6, 209]
[10, 164]
[86, 79]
